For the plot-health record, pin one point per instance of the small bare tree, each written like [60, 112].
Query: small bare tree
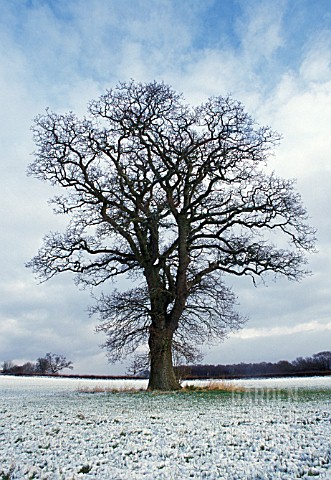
[7, 366]
[323, 360]
[175, 196]
[52, 363]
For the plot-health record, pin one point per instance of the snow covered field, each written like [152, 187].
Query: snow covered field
[50, 429]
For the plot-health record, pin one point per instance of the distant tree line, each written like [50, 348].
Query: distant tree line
[51, 363]
[318, 363]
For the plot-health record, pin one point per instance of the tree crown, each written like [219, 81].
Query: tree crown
[177, 195]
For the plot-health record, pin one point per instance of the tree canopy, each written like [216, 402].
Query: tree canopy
[174, 197]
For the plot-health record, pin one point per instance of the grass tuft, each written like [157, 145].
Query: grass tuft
[7, 475]
[85, 469]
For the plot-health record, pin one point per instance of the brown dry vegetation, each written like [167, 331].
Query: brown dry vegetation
[213, 386]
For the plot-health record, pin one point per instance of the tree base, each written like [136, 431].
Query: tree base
[164, 386]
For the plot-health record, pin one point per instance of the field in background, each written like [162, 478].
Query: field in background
[275, 429]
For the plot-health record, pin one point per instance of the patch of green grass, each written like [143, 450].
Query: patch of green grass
[7, 475]
[222, 388]
[85, 469]
[306, 394]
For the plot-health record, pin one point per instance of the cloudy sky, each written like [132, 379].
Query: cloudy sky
[273, 56]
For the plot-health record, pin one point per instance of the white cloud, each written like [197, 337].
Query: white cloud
[316, 67]
[260, 29]
[300, 108]
[313, 326]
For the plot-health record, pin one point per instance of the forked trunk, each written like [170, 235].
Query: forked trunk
[162, 375]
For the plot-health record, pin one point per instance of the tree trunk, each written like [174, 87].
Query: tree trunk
[162, 375]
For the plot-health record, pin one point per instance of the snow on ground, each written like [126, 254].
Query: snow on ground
[50, 385]
[49, 429]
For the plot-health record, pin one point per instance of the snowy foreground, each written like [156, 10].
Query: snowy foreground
[52, 429]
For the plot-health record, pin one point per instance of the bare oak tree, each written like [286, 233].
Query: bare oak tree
[176, 197]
